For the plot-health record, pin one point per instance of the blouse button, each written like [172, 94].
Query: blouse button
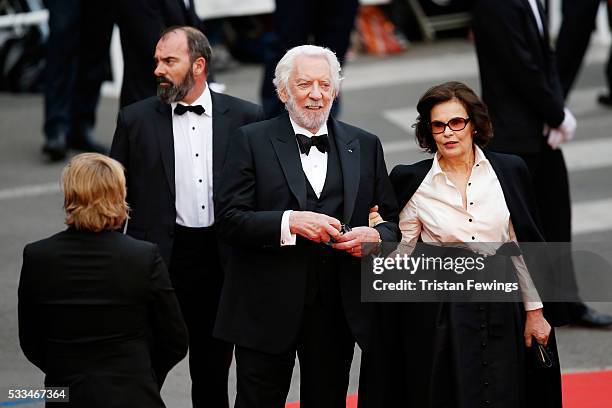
[471, 203]
[473, 238]
[470, 220]
[469, 184]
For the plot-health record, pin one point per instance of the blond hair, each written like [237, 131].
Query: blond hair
[94, 193]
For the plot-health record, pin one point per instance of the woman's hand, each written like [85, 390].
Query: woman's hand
[374, 218]
[536, 326]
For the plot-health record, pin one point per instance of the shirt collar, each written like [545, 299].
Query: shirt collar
[536, 14]
[297, 129]
[479, 158]
[205, 99]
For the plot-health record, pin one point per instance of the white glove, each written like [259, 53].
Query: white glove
[555, 138]
[568, 126]
[565, 132]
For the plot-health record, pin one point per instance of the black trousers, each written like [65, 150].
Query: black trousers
[197, 276]
[573, 40]
[325, 350]
[327, 23]
[77, 61]
[550, 179]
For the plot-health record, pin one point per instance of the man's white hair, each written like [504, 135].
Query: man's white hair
[286, 64]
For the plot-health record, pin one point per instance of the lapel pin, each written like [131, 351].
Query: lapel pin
[350, 150]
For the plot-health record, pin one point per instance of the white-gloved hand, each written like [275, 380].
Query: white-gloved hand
[568, 126]
[564, 133]
[555, 138]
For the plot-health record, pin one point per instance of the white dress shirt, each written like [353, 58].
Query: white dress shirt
[314, 165]
[436, 214]
[193, 164]
[536, 14]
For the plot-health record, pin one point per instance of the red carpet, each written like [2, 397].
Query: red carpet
[580, 390]
[587, 390]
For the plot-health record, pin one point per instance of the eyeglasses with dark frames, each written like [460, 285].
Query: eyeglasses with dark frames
[455, 124]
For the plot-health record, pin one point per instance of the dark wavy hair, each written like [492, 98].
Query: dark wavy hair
[476, 110]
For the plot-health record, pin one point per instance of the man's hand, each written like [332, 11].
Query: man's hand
[374, 217]
[564, 133]
[351, 241]
[536, 326]
[314, 226]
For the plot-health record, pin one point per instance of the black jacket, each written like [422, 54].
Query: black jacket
[97, 313]
[518, 74]
[516, 184]
[264, 290]
[144, 144]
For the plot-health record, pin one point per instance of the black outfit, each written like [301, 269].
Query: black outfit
[467, 354]
[77, 61]
[521, 87]
[141, 23]
[113, 325]
[573, 40]
[320, 22]
[144, 144]
[520, 83]
[305, 298]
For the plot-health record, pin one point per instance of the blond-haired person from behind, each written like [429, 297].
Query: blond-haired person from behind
[97, 312]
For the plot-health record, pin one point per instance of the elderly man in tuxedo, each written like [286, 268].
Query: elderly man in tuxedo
[173, 147]
[292, 186]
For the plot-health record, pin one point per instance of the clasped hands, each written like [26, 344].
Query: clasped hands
[323, 228]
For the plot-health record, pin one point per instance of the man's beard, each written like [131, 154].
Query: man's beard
[172, 92]
[305, 118]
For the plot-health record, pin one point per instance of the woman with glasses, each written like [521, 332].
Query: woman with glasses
[452, 354]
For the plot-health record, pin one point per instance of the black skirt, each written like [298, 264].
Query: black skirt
[456, 355]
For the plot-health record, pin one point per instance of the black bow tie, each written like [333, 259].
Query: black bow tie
[305, 143]
[181, 109]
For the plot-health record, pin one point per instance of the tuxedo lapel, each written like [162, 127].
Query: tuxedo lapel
[349, 154]
[165, 138]
[286, 150]
[544, 36]
[221, 130]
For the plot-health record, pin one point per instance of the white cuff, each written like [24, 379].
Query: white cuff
[286, 238]
[532, 306]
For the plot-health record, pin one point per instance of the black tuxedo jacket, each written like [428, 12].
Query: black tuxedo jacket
[144, 144]
[516, 185]
[518, 75]
[263, 295]
[97, 313]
